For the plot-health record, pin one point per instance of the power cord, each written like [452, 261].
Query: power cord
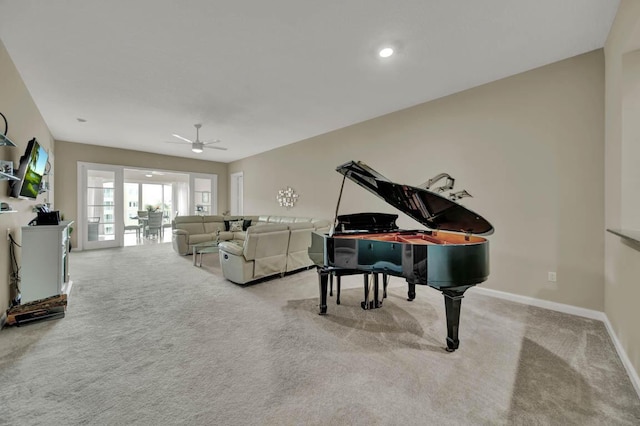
[14, 277]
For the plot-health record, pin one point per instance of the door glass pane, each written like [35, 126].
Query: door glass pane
[100, 205]
[202, 195]
[152, 197]
[131, 203]
[168, 205]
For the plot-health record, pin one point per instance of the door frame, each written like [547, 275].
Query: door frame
[236, 192]
[213, 193]
[81, 199]
[118, 211]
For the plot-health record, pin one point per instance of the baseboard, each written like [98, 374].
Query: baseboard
[3, 320]
[633, 374]
[546, 304]
[573, 310]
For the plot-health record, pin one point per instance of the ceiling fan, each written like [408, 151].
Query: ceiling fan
[197, 145]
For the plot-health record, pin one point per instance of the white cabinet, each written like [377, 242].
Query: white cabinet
[45, 261]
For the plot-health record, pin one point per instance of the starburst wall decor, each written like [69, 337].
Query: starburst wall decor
[287, 197]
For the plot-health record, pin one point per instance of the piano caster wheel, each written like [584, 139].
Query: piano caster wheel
[452, 345]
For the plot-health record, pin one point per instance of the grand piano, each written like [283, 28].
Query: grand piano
[450, 256]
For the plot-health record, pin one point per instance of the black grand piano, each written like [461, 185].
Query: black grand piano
[449, 257]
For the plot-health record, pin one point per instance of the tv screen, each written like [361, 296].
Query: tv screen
[32, 168]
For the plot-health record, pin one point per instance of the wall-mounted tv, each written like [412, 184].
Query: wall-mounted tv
[32, 168]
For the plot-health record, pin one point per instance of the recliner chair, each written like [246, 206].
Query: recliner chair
[263, 253]
[299, 242]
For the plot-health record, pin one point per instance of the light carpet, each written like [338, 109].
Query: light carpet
[150, 339]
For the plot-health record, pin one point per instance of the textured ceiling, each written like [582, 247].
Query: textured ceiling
[262, 74]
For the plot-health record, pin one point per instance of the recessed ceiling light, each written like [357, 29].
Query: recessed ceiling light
[386, 52]
[149, 175]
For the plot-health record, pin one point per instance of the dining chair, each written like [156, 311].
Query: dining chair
[93, 227]
[136, 228]
[154, 224]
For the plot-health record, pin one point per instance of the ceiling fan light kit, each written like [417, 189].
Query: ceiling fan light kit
[198, 146]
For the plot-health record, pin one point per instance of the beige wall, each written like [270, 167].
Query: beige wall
[25, 123]
[68, 154]
[622, 261]
[529, 148]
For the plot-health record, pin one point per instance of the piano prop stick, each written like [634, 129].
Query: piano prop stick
[449, 256]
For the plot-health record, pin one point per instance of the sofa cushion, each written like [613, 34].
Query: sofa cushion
[213, 227]
[226, 236]
[212, 218]
[236, 226]
[213, 223]
[200, 238]
[281, 219]
[193, 228]
[188, 219]
[245, 224]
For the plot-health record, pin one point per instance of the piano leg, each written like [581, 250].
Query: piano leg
[330, 284]
[412, 292]
[365, 304]
[323, 278]
[376, 291]
[385, 282]
[452, 303]
[338, 285]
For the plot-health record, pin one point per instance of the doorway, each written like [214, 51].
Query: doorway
[151, 192]
[237, 196]
[114, 201]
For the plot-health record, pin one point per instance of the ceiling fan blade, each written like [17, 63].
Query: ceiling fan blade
[221, 148]
[178, 142]
[211, 142]
[180, 137]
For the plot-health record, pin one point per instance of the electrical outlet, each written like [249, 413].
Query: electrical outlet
[552, 277]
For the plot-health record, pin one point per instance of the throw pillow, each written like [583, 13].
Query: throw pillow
[226, 225]
[235, 226]
[245, 224]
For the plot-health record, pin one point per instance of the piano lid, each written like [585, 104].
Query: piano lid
[370, 222]
[432, 210]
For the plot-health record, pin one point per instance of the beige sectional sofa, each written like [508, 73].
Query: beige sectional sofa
[190, 230]
[270, 245]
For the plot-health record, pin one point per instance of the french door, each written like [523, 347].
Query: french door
[100, 221]
[203, 193]
[102, 213]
